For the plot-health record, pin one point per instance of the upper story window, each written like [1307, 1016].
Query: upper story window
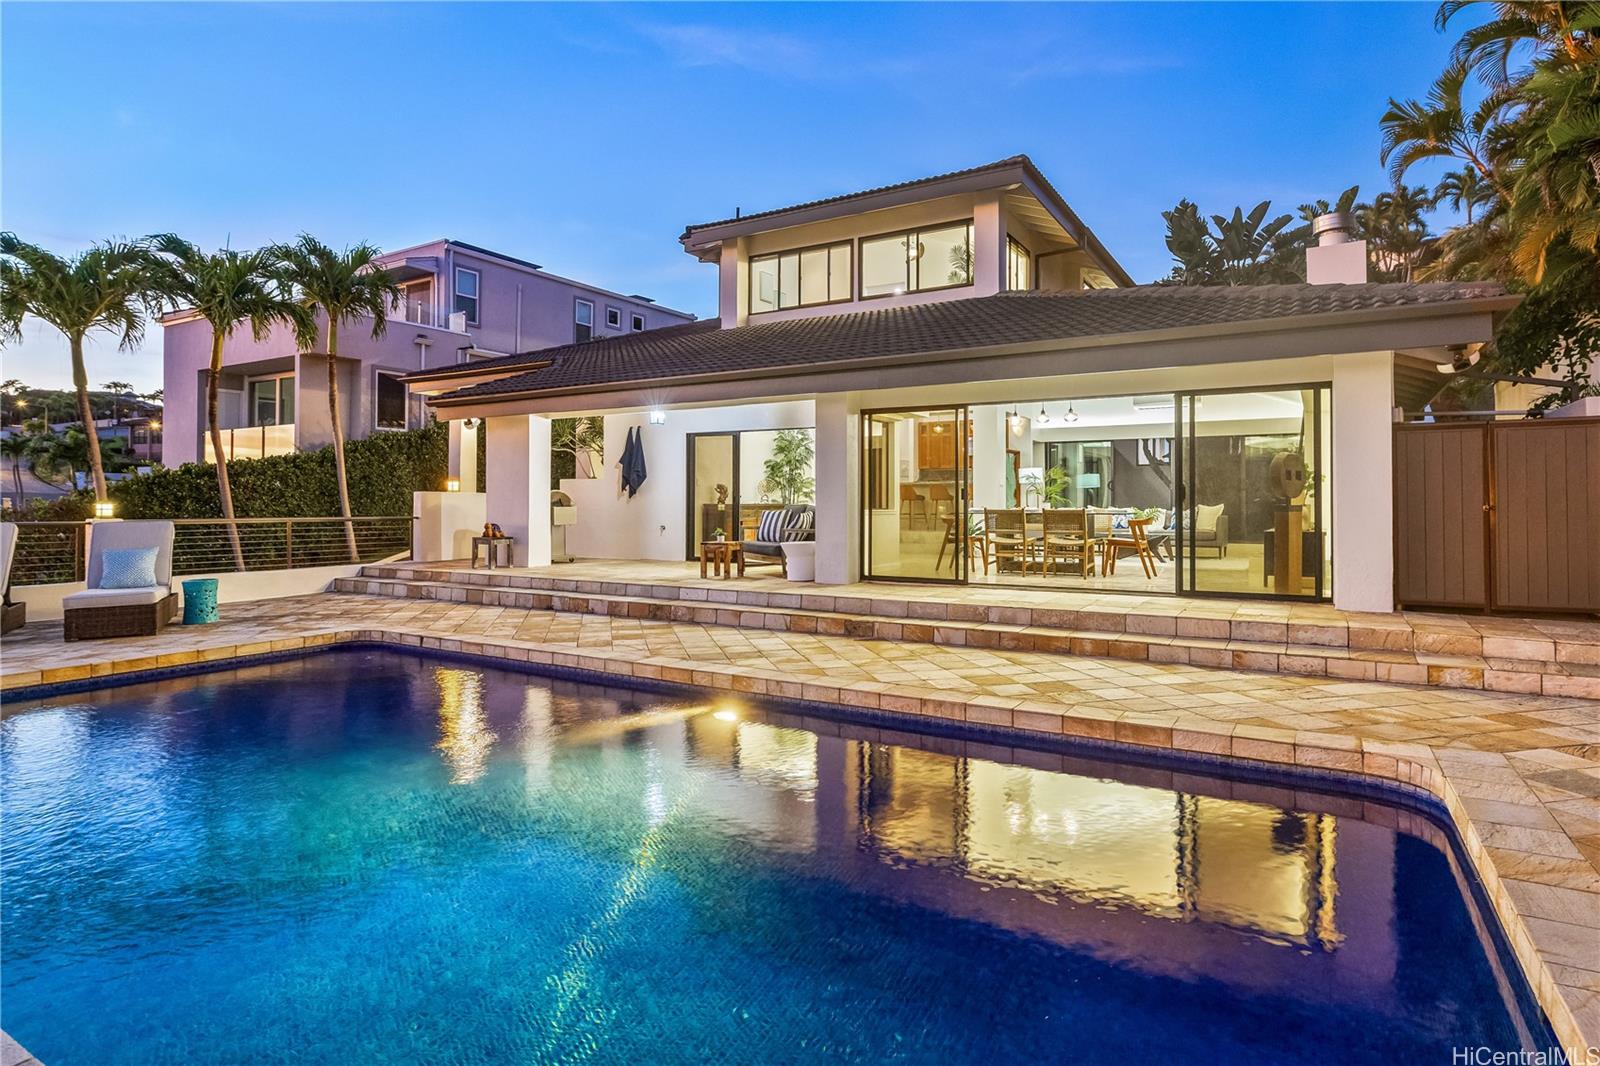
[467, 293]
[804, 277]
[613, 317]
[1019, 266]
[919, 260]
[272, 400]
[391, 406]
[582, 320]
[637, 322]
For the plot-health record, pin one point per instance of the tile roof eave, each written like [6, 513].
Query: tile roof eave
[1479, 304]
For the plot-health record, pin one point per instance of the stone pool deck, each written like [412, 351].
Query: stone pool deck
[1518, 773]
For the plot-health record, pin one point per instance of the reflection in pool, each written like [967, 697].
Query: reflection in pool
[366, 857]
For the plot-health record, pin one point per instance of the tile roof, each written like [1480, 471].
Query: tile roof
[813, 344]
[999, 164]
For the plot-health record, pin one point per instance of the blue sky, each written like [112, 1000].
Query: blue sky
[584, 137]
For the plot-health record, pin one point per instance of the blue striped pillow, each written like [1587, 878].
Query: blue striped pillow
[771, 528]
[128, 568]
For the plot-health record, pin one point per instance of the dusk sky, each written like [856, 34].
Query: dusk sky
[585, 137]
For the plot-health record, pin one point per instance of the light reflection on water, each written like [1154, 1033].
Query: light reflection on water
[385, 839]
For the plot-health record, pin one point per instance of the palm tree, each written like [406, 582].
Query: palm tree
[118, 390]
[1442, 126]
[11, 389]
[344, 287]
[15, 449]
[1559, 32]
[108, 287]
[1463, 190]
[1555, 195]
[229, 289]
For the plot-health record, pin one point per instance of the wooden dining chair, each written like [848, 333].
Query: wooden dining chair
[941, 499]
[1007, 534]
[1134, 537]
[1066, 536]
[977, 545]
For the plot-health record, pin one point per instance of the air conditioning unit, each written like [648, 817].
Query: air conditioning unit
[1158, 402]
[458, 322]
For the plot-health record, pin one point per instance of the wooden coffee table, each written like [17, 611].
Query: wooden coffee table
[721, 556]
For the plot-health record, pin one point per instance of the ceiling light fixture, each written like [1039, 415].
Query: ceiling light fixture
[1043, 419]
[1072, 416]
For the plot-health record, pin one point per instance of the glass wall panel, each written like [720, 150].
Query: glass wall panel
[884, 265]
[789, 280]
[713, 488]
[814, 276]
[839, 272]
[1256, 488]
[804, 277]
[944, 257]
[915, 490]
[764, 284]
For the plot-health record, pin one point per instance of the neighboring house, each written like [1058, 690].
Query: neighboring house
[964, 344]
[461, 303]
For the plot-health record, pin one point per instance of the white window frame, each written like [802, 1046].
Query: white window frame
[378, 373]
[577, 302]
[636, 323]
[613, 310]
[277, 399]
[476, 296]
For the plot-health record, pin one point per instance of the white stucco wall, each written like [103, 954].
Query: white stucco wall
[1363, 482]
[651, 525]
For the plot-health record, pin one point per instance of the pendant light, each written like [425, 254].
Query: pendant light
[1072, 416]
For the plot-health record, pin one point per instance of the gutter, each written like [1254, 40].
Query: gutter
[1490, 304]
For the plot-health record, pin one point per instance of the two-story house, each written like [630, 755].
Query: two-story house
[991, 398]
[460, 303]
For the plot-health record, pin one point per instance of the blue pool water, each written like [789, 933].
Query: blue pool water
[364, 857]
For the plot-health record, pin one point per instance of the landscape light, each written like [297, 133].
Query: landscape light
[658, 418]
[103, 509]
[452, 485]
[725, 716]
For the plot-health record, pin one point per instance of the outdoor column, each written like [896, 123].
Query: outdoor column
[464, 453]
[989, 460]
[1362, 482]
[988, 245]
[518, 484]
[838, 489]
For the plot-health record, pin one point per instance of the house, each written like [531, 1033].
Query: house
[985, 386]
[461, 303]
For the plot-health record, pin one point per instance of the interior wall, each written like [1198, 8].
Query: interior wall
[652, 524]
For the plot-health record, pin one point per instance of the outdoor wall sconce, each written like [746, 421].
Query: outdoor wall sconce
[658, 418]
[103, 509]
[452, 485]
[471, 423]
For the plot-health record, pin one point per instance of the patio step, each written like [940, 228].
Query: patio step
[1096, 633]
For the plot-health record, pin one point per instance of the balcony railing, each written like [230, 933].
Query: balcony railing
[253, 442]
[54, 552]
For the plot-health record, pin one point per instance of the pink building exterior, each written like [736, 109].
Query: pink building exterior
[461, 303]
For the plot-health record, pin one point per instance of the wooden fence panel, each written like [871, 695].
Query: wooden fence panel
[1546, 514]
[1441, 556]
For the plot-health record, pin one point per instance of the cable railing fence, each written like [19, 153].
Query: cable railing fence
[54, 552]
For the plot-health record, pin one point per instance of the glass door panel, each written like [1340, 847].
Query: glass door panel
[915, 492]
[1254, 513]
[713, 488]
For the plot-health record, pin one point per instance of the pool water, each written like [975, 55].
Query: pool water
[364, 857]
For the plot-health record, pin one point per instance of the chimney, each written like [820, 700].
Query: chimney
[1336, 258]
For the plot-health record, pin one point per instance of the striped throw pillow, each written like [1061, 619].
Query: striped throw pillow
[770, 530]
[799, 527]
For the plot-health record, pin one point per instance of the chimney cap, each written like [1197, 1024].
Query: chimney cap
[1332, 228]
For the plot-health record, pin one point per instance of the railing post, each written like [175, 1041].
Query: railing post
[288, 544]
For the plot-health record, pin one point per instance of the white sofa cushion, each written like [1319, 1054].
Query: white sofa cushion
[1205, 517]
[115, 597]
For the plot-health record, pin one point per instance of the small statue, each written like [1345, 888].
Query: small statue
[722, 495]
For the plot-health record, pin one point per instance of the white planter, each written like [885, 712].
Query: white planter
[800, 560]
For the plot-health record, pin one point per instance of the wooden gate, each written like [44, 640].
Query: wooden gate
[1499, 516]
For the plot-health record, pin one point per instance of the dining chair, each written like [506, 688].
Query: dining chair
[941, 498]
[909, 497]
[1066, 536]
[1007, 534]
[1134, 537]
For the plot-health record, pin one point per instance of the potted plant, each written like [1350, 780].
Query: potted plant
[788, 473]
[719, 534]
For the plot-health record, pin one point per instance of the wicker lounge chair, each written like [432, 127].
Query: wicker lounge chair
[12, 615]
[123, 612]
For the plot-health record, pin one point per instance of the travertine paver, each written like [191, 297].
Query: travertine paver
[1520, 775]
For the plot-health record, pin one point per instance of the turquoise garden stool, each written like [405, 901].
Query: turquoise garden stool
[199, 601]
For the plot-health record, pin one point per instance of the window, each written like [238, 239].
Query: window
[613, 317]
[392, 404]
[1019, 266]
[638, 322]
[271, 400]
[937, 257]
[467, 294]
[582, 320]
[804, 277]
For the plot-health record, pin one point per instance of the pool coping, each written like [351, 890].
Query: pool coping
[1407, 773]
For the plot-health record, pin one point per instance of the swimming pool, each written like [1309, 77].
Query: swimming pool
[365, 856]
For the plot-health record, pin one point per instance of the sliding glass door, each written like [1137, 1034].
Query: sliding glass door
[713, 467]
[915, 492]
[1254, 488]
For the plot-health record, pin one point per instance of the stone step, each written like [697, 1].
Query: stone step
[793, 614]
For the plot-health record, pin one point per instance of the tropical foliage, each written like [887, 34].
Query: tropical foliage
[108, 288]
[790, 472]
[341, 287]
